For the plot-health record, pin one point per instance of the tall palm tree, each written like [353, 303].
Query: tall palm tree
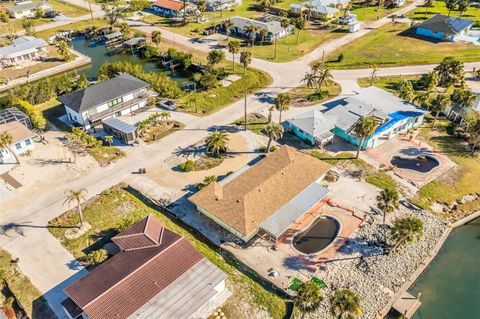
[64, 50]
[387, 202]
[364, 128]
[346, 304]
[309, 6]
[76, 196]
[245, 60]
[252, 31]
[324, 77]
[274, 131]
[217, 142]
[406, 230]
[282, 103]
[439, 104]
[373, 75]
[6, 139]
[310, 79]
[227, 24]
[233, 48]
[156, 37]
[262, 33]
[309, 296]
[299, 25]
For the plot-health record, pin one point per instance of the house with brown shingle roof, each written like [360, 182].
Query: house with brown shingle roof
[22, 140]
[268, 196]
[157, 274]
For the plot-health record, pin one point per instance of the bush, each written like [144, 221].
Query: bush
[187, 166]
[317, 96]
[139, 5]
[340, 57]
[4, 16]
[96, 257]
[36, 116]
[150, 52]
[263, 149]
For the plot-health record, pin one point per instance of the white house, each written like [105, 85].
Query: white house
[23, 49]
[319, 8]
[216, 5]
[28, 9]
[269, 23]
[21, 140]
[118, 96]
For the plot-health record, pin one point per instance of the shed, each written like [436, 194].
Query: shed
[120, 129]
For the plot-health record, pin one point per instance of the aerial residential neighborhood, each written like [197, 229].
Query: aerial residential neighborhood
[251, 159]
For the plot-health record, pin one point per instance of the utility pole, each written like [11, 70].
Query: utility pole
[245, 110]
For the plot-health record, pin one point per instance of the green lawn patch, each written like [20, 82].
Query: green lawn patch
[458, 182]
[388, 83]
[68, 9]
[392, 45]
[367, 13]
[439, 7]
[106, 154]
[105, 213]
[20, 286]
[381, 179]
[256, 122]
[303, 96]
[78, 25]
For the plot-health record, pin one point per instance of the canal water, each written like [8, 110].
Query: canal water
[450, 286]
[100, 54]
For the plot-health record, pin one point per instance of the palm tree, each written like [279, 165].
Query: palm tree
[462, 7]
[252, 31]
[309, 7]
[270, 110]
[387, 202]
[282, 103]
[233, 48]
[6, 139]
[227, 24]
[373, 75]
[346, 304]
[109, 139]
[156, 37]
[309, 296]
[451, 4]
[424, 99]
[364, 128]
[310, 79]
[439, 104]
[201, 7]
[217, 142]
[64, 50]
[406, 230]
[215, 57]
[274, 131]
[299, 25]
[245, 59]
[263, 33]
[165, 116]
[324, 77]
[27, 24]
[77, 196]
[406, 91]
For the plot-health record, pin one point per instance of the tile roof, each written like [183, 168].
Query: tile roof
[124, 283]
[21, 46]
[98, 94]
[169, 4]
[18, 131]
[247, 200]
[444, 24]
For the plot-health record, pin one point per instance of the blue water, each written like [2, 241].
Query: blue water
[450, 286]
[100, 54]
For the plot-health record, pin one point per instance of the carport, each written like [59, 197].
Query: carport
[120, 129]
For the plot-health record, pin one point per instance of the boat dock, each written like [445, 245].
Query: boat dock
[406, 305]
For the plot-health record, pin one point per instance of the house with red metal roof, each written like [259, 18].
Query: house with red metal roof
[172, 8]
[157, 274]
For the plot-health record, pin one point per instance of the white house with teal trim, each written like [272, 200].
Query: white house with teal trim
[393, 115]
[444, 28]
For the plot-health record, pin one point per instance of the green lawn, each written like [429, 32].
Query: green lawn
[458, 182]
[302, 96]
[156, 132]
[423, 13]
[371, 13]
[388, 83]
[79, 25]
[106, 211]
[392, 46]
[21, 287]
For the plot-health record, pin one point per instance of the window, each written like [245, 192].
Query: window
[18, 146]
[115, 102]
[28, 142]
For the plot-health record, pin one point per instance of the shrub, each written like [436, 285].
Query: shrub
[206, 181]
[150, 52]
[36, 116]
[139, 5]
[340, 57]
[187, 166]
[4, 16]
[263, 149]
[317, 96]
[96, 257]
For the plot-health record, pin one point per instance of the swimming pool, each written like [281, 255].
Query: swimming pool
[321, 233]
[422, 163]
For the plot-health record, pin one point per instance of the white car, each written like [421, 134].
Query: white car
[168, 105]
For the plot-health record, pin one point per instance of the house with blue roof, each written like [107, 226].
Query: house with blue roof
[444, 28]
[393, 115]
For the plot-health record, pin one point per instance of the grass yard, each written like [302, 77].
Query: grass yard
[388, 83]
[156, 132]
[256, 122]
[21, 287]
[303, 96]
[439, 7]
[106, 154]
[458, 182]
[371, 13]
[79, 25]
[106, 211]
[391, 46]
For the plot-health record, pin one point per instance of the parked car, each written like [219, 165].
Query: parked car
[168, 105]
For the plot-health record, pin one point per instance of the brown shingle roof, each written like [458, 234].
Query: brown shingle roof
[143, 234]
[128, 280]
[18, 131]
[249, 199]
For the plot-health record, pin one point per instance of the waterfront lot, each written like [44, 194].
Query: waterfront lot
[392, 45]
[457, 183]
[107, 210]
[76, 26]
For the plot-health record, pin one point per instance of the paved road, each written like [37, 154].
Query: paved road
[48, 264]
